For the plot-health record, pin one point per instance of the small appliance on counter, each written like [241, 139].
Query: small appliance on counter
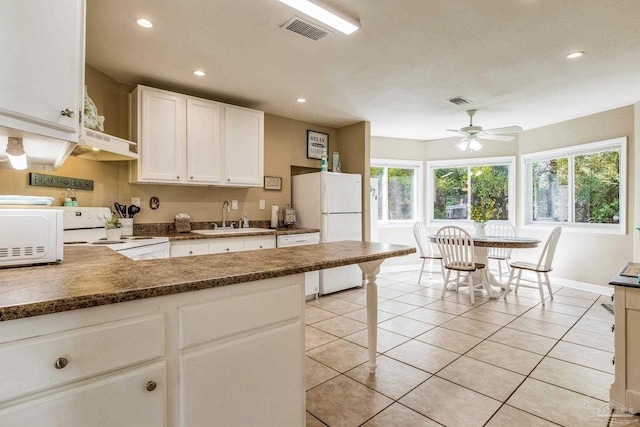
[30, 236]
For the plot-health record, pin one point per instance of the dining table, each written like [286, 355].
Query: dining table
[481, 246]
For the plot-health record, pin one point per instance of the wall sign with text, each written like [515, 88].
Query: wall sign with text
[317, 144]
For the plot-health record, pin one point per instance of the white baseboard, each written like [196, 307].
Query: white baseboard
[582, 286]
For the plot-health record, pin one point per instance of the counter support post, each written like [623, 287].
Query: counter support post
[371, 269]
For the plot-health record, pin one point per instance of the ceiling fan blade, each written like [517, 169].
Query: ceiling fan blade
[456, 131]
[497, 137]
[508, 129]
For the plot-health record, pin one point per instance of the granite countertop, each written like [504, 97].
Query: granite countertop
[627, 281]
[99, 276]
[269, 232]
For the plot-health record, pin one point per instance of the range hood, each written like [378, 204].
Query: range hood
[96, 145]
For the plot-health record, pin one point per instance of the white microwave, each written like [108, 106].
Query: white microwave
[30, 236]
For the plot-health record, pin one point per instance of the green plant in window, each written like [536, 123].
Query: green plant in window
[483, 209]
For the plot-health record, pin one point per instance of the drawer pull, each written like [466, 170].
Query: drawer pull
[151, 385]
[612, 297]
[613, 327]
[61, 362]
[613, 360]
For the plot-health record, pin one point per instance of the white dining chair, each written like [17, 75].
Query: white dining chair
[456, 247]
[543, 267]
[501, 255]
[426, 250]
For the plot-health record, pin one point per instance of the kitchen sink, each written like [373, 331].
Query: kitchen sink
[219, 231]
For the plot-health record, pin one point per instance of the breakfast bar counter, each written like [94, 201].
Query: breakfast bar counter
[166, 342]
[89, 277]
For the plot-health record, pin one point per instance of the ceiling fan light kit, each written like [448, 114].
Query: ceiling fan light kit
[472, 134]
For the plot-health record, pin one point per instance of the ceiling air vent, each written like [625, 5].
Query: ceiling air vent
[459, 100]
[305, 28]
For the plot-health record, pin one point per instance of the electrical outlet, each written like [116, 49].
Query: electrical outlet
[262, 204]
[135, 201]
[234, 204]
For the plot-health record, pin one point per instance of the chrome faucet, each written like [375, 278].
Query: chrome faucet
[225, 206]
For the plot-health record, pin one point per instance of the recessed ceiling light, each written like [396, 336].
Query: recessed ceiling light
[144, 23]
[301, 100]
[199, 73]
[574, 55]
[324, 15]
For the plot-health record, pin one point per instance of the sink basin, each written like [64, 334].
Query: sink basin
[215, 232]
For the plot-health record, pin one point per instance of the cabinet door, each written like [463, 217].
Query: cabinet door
[161, 138]
[203, 141]
[257, 380]
[42, 71]
[226, 245]
[128, 398]
[243, 146]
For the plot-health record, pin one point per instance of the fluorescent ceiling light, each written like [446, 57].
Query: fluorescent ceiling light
[574, 55]
[15, 153]
[322, 14]
[144, 23]
[199, 73]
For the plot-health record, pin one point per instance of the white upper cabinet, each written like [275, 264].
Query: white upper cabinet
[203, 141]
[41, 77]
[159, 118]
[243, 146]
[193, 141]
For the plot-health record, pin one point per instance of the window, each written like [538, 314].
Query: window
[398, 189]
[583, 185]
[458, 186]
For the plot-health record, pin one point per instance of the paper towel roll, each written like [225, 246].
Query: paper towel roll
[274, 216]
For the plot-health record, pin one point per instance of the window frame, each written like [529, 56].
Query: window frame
[570, 152]
[509, 161]
[399, 163]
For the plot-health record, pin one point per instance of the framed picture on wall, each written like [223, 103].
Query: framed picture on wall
[317, 144]
[272, 183]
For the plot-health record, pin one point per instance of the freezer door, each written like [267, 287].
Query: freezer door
[344, 226]
[341, 192]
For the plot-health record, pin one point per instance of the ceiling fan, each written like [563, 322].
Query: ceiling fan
[472, 134]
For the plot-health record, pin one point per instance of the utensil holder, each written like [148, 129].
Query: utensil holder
[127, 226]
[182, 225]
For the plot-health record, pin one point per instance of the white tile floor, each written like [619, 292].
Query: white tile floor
[447, 362]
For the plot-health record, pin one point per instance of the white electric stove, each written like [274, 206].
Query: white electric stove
[84, 226]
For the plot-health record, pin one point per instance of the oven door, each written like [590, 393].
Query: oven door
[155, 251]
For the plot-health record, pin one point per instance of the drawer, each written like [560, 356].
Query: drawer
[189, 249]
[226, 245]
[30, 365]
[632, 298]
[210, 321]
[298, 239]
[259, 243]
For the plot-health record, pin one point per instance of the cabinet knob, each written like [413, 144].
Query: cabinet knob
[190, 177]
[227, 249]
[260, 246]
[151, 385]
[178, 176]
[67, 112]
[61, 362]
[613, 327]
[612, 297]
[228, 179]
[190, 252]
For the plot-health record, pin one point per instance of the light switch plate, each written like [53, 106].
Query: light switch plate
[261, 204]
[234, 204]
[135, 201]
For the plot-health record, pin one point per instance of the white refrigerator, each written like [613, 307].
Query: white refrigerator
[331, 202]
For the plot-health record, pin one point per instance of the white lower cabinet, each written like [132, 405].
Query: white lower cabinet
[226, 356]
[135, 397]
[218, 246]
